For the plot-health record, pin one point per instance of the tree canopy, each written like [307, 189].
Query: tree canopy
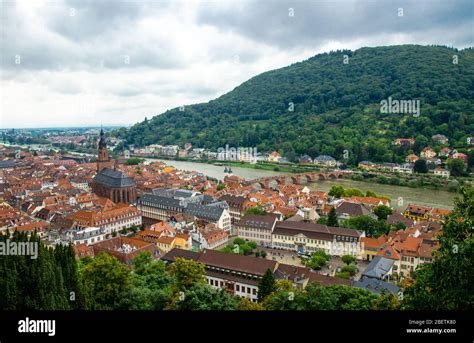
[322, 106]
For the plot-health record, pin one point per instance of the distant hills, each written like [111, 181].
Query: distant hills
[323, 106]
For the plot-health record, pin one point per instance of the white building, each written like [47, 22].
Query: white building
[89, 235]
[442, 172]
[306, 238]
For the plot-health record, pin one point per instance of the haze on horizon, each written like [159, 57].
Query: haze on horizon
[85, 63]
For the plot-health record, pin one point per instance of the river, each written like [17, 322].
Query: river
[421, 196]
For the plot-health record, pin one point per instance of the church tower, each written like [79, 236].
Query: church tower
[103, 159]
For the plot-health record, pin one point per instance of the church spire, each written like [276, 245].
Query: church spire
[102, 140]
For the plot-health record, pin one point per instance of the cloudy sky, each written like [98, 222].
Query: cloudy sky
[92, 62]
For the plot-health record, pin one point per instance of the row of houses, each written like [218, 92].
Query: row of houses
[162, 206]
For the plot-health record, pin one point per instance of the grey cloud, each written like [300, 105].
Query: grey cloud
[316, 22]
[92, 39]
[84, 19]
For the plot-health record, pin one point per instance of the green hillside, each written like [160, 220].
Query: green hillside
[336, 106]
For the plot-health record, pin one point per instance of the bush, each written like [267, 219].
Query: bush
[351, 270]
[252, 244]
[239, 241]
[343, 275]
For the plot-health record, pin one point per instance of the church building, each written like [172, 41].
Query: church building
[109, 182]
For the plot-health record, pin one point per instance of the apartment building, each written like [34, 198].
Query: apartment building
[307, 237]
[161, 208]
[119, 217]
[257, 228]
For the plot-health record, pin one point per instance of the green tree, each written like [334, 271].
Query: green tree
[134, 161]
[141, 262]
[332, 218]
[106, 280]
[246, 304]
[203, 297]
[456, 166]
[336, 191]
[255, 210]
[386, 302]
[322, 220]
[420, 166]
[447, 282]
[382, 212]
[351, 269]
[187, 273]
[266, 285]
[318, 259]
[348, 259]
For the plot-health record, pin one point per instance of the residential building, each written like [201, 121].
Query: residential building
[305, 237]
[405, 168]
[88, 235]
[367, 165]
[444, 152]
[305, 159]
[125, 249]
[325, 160]
[213, 238]
[111, 220]
[412, 158]
[257, 228]
[370, 247]
[441, 172]
[427, 153]
[425, 213]
[442, 139]
[161, 208]
[236, 206]
[274, 157]
[404, 141]
[346, 210]
[460, 155]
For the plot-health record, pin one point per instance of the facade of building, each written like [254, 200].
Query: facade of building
[424, 213]
[257, 228]
[305, 238]
[110, 220]
[241, 275]
[325, 160]
[162, 208]
[89, 235]
[441, 172]
[236, 206]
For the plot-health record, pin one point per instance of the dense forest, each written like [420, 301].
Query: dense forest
[323, 106]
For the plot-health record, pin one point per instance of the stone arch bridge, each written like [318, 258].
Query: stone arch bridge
[298, 179]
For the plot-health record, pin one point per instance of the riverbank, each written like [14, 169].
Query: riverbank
[410, 181]
[397, 194]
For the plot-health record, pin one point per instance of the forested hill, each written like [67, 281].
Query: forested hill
[336, 106]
